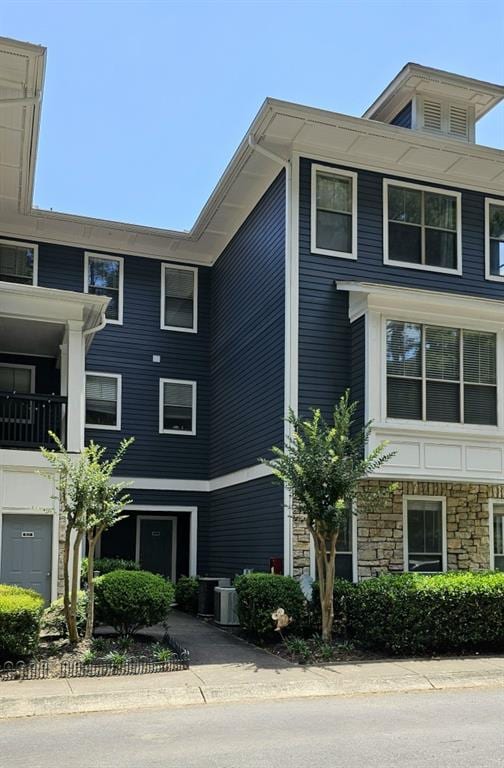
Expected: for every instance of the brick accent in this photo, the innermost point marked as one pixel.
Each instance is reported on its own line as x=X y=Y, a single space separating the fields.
x=380 y=530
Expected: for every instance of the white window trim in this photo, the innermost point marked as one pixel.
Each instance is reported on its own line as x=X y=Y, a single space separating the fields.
x=194 y=270
x=492 y=503
x=437 y=190
x=451 y=426
x=179 y=432
x=313 y=234
x=174 y=539
x=106 y=257
x=442 y=499
x=488 y=202
x=3 y=241
x=118 y=377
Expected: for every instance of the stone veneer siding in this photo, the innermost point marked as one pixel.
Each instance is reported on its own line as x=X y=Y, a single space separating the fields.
x=380 y=531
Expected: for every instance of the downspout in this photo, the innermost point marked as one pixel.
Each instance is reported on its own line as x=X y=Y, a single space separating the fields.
x=99 y=327
x=289 y=286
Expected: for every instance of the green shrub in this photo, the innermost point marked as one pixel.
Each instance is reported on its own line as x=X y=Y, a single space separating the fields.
x=259 y=594
x=53 y=618
x=411 y=613
x=128 y=600
x=108 y=564
x=186 y=594
x=20 y=615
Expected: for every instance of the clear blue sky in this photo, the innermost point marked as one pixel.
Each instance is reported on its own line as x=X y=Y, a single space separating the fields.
x=145 y=103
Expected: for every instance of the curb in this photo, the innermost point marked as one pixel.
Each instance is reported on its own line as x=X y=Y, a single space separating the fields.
x=121 y=701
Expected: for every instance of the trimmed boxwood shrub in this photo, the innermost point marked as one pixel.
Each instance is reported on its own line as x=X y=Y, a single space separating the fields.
x=53 y=619
x=20 y=614
x=415 y=614
x=259 y=594
x=128 y=600
x=108 y=564
x=186 y=594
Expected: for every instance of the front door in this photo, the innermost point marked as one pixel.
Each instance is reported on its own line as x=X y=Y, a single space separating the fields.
x=26 y=552
x=157 y=545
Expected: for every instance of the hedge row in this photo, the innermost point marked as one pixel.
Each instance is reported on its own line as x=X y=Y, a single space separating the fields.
x=20 y=615
x=415 y=614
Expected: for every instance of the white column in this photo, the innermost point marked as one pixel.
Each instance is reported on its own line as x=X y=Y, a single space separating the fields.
x=75 y=386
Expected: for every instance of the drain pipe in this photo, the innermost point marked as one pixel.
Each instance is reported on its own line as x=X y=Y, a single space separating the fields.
x=290 y=397
x=96 y=328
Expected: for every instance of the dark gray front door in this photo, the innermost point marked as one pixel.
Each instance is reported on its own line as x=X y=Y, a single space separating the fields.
x=26 y=552
x=157 y=545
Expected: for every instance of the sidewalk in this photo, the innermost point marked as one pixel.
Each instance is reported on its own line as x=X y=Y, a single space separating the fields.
x=226 y=669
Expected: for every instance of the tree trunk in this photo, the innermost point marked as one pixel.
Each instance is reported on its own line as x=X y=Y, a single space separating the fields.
x=90 y=580
x=66 y=575
x=325 y=556
x=73 y=634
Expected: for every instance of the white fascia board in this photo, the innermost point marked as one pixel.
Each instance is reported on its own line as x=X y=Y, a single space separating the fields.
x=246 y=475
x=364 y=296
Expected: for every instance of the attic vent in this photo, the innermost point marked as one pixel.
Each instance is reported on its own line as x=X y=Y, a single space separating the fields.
x=458 y=121
x=432 y=115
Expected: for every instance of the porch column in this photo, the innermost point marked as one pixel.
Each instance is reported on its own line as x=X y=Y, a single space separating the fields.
x=75 y=382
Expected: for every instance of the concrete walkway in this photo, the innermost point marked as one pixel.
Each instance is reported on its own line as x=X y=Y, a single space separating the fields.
x=226 y=669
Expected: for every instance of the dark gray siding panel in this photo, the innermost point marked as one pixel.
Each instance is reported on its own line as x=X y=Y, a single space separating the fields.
x=403 y=118
x=246 y=527
x=247 y=338
x=324 y=331
x=358 y=369
x=128 y=350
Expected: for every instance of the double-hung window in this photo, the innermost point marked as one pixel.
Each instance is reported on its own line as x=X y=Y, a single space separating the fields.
x=424 y=535
x=422 y=227
x=179 y=298
x=103 y=400
x=104 y=277
x=497 y=537
x=334 y=212
x=494 y=229
x=177 y=407
x=436 y=373
x=18 y=262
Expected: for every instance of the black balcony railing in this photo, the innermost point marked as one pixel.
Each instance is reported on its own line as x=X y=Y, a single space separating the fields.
x=26 y=420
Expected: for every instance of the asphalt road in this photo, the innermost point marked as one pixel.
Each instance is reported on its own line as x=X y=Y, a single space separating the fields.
x=431 y=729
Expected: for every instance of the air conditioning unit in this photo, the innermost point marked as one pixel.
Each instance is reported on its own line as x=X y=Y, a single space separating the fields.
x=226 y=605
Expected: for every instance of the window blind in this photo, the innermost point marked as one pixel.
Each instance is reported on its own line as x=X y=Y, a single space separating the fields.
x=177 y=406
x=179 y=298
x=101 y=400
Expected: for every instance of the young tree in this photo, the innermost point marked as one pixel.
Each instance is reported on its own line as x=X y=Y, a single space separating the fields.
x=89 y=503
x=323 y=466
x=105 y=509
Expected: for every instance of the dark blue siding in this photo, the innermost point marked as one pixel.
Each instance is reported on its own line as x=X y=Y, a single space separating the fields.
x=403 y=118
x=128 y=350
x=358 y=369
x=47 y=375
x=324 y=331
x=247 y=338
x=246 y=524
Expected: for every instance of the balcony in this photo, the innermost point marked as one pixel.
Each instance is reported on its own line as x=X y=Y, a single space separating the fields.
x=26 y=420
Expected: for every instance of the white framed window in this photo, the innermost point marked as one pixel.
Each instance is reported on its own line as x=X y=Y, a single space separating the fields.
x=103 y=276
x=18 y=262
x=17 y=378
x=179 y=298
x=496 y=534
x=494 y=239
x=177 y=407
x=103 y=400
x=333 y=212
x=438 y=373
x=422 y=227
x=424 y=534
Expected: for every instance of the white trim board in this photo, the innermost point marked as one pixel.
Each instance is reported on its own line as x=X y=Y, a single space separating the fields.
x=246 y=475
